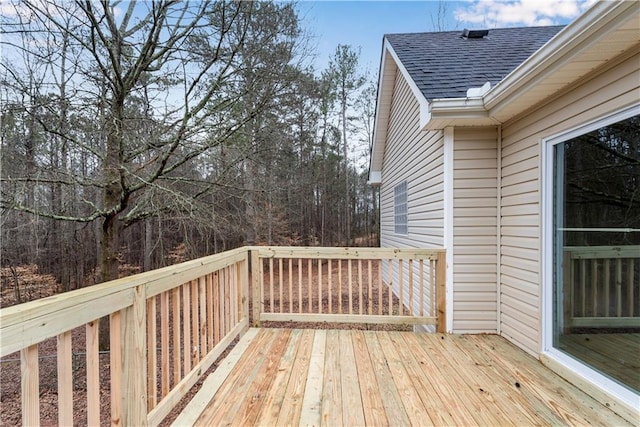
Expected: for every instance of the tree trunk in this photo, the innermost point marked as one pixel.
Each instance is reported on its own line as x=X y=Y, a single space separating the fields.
x=148 y=242
x=345 y=151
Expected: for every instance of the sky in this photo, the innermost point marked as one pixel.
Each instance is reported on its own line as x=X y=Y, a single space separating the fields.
x=363 y=23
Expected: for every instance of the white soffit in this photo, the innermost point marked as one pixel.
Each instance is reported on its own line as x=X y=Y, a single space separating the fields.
x=599 y=35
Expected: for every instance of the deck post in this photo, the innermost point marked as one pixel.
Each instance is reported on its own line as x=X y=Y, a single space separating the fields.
x=245 y=287
x=441 y=292
x=255 y=286
x=134 y=360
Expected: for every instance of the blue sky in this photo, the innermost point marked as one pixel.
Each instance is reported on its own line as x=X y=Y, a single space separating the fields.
x=363 y=23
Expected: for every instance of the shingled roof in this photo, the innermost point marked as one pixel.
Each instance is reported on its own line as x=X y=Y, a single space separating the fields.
x=445 y=64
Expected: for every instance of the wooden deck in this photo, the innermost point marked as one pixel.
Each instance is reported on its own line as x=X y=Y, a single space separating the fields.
x=354 y=378
x=617 y=355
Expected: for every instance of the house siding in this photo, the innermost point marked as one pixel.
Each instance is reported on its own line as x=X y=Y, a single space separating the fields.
x=474 y=219
x=608 y=91
x=417 y=157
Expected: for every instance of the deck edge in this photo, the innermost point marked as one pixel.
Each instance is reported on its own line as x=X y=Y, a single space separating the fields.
x=210 y=386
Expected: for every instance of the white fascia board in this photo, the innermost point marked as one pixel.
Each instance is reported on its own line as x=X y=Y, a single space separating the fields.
x=458 y=111
x=425 y=116
x=572 y=39
x=381 y=118
x=375 y=177
x=379 y=137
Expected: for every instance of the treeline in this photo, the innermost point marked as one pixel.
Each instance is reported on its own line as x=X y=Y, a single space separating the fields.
x=147 y=133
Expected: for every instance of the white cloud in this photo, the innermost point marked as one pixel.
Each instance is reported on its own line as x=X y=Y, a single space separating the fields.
x=502 y=13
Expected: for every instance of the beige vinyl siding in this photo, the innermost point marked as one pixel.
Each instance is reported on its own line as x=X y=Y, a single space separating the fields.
x=475 y=195
x=606 y=92
x=417 y=157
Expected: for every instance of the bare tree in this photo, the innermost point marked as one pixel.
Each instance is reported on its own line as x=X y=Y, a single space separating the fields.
x=343 y=67
x=160 y=82
x=439 y=17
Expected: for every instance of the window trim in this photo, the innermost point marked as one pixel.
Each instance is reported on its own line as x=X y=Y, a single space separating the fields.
x=590 y=375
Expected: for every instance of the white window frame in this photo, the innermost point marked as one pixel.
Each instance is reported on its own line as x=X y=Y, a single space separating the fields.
x=590 y=375
x=400 y=208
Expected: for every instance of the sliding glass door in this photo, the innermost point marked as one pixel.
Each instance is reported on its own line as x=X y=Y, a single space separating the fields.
x=596 y=248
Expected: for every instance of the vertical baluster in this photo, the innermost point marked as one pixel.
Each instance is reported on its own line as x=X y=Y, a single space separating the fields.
x=339 y=286
x=380 y=301
x=360 y=298
x=280 y=284
x=309 y=285
x=152 y=362
x=630 y=278
x=607 y=287
x=175 y=313
x=228 y=299
x=618 y=287
x=93 y=373
x=421 y=285
x=411 y=305
x=65 y=379
x=319 y=286
x=290 y=285
x=202 y=302
x=30 y=377
x=432 y=288
x=299 y=285
x=164 y=339
x=186 y=328
x=330 y=284
x=594 y=287
x=210 y=324
x=401 y=287
x=350 y=286
x=583 y=287
x=271 y=285
x=195 y=324
x=217 y=303
x=389 y=265
x=115 y=366
x=370 y=282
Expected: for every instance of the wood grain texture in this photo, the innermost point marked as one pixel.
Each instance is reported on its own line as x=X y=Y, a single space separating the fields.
x=346 y=377
x=93 y=373
x=65 y=380
x=30 y=386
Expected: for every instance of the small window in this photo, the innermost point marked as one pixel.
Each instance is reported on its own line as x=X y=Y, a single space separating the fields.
x=400 y=208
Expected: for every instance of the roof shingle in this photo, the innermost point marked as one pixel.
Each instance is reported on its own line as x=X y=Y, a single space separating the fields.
x=445 y=65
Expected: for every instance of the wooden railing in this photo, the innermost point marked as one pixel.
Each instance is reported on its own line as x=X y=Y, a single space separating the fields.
x=602 y=286
x=348 y=285
x=168 y=326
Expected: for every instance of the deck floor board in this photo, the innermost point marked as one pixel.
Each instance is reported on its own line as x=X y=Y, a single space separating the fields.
x=318 y=377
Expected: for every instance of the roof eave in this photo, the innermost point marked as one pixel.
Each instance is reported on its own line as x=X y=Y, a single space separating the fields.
x=458 y=112
x=389 y=64
x=505 y=100
x=574 y=39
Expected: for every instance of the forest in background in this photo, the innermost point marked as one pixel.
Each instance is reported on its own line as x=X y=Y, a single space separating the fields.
x=137 y=135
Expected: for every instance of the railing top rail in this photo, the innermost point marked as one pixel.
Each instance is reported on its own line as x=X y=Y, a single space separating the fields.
x=150 y=278
x=345 y=252
x=600 y=252
x=63 y=312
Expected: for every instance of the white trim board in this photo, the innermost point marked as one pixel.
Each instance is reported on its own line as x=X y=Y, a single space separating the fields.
x=448 y=220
